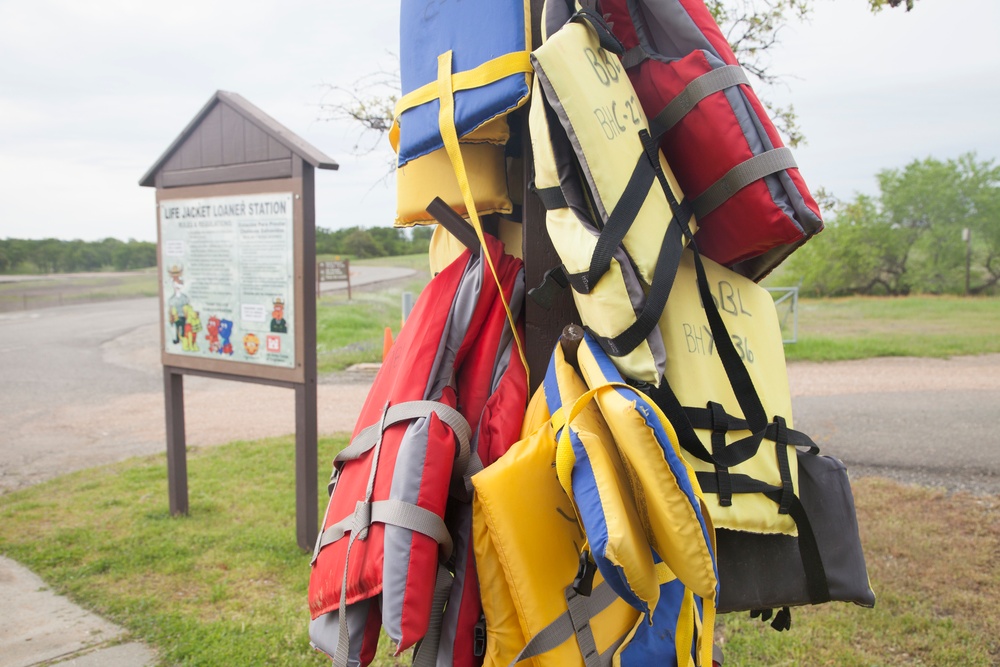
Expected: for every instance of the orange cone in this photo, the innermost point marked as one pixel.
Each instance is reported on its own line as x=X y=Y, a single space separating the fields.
x=386 y=343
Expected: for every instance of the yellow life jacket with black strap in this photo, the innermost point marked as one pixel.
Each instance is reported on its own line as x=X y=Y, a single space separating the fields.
x=719 y=403
x=611 y=218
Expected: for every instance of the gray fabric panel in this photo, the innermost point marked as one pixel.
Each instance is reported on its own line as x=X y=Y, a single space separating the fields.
x=406 y=481
x=634 y=56
x=466 y=297
x=460 y=524
x=666 y=28
x=324 y=631
x=740 y=176
x=426 y=652
x=707 y=84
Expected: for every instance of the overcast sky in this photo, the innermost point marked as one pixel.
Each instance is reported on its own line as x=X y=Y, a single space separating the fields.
x=92 y=93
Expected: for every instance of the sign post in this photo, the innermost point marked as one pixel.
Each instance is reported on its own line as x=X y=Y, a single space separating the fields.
x=237 y=236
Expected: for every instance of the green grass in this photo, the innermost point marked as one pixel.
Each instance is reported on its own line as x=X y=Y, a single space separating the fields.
x=920 y=326
x=227 y=585
x=352 y=331
x=223 y=586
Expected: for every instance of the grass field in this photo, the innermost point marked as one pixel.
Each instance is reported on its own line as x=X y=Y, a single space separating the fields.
x=919 y=326
x=46 y=292
x=227 y=584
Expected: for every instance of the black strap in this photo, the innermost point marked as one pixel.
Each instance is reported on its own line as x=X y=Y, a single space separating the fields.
x=720 y=427
x=618 y=224
x=552 y=197
x=667 y=262
x=737 y=373
x=604 y=34
x=784 y=468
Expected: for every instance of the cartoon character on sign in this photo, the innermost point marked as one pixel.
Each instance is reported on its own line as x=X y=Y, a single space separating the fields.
x=278 y=324
x=251 y=344
x=225 y=331
x=192 y=325
x=177 y=302
x=212 y=334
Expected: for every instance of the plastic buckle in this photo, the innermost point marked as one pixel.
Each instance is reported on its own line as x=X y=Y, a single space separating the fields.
x=479 y=638
x=545 y=293
x=583 y=584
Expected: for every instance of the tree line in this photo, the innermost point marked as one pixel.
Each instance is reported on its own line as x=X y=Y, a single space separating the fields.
x=933 y=228
x=57 y=256
x=373 y=242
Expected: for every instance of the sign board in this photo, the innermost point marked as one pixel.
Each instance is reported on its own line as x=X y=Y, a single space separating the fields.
x=338 y=269
x=229 y=278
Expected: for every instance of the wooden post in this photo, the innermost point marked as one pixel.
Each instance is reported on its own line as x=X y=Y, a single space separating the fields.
x=542 y=325
x=173 y=392
x=306 y=414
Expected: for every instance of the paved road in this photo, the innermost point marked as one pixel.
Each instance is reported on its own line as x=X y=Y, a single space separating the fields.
x=84 y=387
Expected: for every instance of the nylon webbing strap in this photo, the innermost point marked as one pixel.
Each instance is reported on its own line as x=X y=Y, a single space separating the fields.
x=741 y=450
x=617 y=226
x=552 y=198
x=737 y=373
x=485 y=74
x=667 y=263
x=362 y=519
x=742 y=175
x=397 y=513
x=784 y=467
x=719 y=430
x=401 y=412
x=562 y=628
x=703 y=86
x=634 y=56
x=579 y=615
x=426 y=653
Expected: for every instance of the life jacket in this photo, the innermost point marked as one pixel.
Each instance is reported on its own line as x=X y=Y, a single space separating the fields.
x=752 y=204
x=395 y=551
x=433 y=173
x=458 y=86
x=617 y=220
x=487 y=71
x=718 y=410
x=787 y=533
x=537 y=541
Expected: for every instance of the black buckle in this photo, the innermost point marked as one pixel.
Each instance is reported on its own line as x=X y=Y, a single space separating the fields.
x=479 y=638
x=554 y=279
x=583 y=584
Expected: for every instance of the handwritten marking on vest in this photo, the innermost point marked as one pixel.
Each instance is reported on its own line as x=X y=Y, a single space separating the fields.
x=606 y=69
x=608 y=117
x=699 y=340
x=729 y=299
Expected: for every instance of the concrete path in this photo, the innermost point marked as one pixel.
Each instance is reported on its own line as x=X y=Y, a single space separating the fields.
x=42 y=628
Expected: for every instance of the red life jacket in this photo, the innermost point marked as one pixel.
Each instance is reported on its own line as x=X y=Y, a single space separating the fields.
x=396 y=543
x=752 y=206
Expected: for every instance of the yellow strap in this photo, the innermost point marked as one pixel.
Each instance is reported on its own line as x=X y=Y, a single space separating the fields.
x=485 y=74
x=446 y=121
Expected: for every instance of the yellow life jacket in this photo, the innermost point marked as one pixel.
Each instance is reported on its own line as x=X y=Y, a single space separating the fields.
x=611 y=223
x=527 y=543
x=700 y=382
x=432 y=175
x=533 y=551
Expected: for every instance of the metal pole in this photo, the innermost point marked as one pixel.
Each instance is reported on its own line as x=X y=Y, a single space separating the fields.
x=967 y=237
